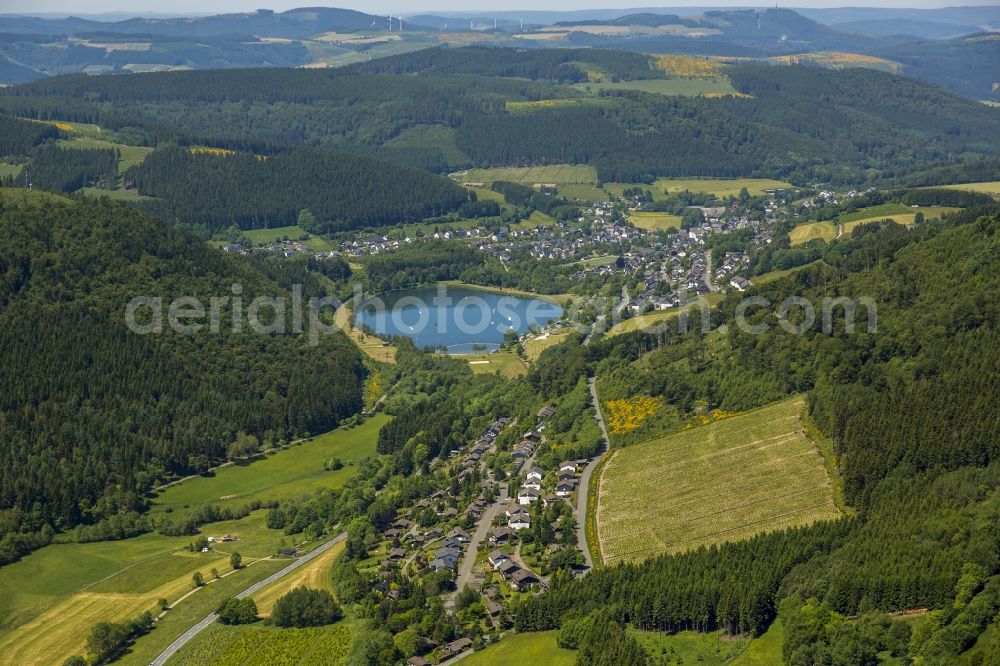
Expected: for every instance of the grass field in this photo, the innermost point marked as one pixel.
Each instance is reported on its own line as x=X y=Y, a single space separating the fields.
x=870 y=212
x=54 y=595
x=720 y=187
x=535 y=345
x=130 y=155
x=558 y=174
x=292 y=472
x=584 y=192
x=18 y=196
x=315 y=575
x=431 y=136
x=293 y=232
x=9 y=169
x=725 y=481
x=508 y=364
x=992 y=187
x=659 y=317
x=804 y=233
x=905 y=217
x=690 y=647
x=655 y=221
x=376 y=348
x=118 y=195
x=764 y=650
x=192 y=609
x=536 y=219
x=767 y=278
x=258 y=645
x=592 y=262
x=534 y=648
x=671 y=87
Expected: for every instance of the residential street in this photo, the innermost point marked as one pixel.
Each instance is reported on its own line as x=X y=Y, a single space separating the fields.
x=465 y=569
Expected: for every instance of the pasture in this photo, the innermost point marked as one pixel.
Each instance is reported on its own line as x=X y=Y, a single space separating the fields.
x=811 y=231
x=720 y=187
x=655 y=221
x=906 y=217
x=506 y=363
x=992 y=187
x=690 y=647
x=764 y=650
x=315 y=575
x=130 y=155
x=117 y=195
x=532 y=648
x=54 y=595
x=685 y=87
x=556 y=174
x=292 y=232
x=661 y=317
x=258 y=645
x=536 y=344
x=725 y=481
x=583 y=192
x=592 y=262
x=9 y=169
x=292 y=472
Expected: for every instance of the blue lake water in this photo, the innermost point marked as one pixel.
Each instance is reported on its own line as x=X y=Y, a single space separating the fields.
x=455 y=318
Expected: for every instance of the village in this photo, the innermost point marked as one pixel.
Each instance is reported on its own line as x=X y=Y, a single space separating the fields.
x=503 y=545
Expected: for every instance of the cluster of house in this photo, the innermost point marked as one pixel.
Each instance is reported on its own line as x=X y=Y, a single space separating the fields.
x=517 y=577
x=285 y=249
x=403 y=533
x=531 y=489
x=481 y=446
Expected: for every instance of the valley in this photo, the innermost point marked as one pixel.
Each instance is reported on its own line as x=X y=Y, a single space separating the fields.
x=716 y=383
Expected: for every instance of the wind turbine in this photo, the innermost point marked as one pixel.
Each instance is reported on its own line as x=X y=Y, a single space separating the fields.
x=400 y=19
x=390 y=22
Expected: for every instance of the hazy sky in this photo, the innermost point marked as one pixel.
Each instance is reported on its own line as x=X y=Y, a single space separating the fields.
x=146 y=7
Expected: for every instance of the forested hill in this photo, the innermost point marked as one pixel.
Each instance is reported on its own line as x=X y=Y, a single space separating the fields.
x=92 y=414
x=910 y=411
x=565 y=65
x=800 y=123
x=341 y=190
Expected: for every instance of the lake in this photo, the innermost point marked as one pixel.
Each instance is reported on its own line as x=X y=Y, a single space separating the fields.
x=458 y=319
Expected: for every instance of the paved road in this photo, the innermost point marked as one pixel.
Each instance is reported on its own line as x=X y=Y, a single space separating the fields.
x=482 y=531
x=588 y=471
x=186 y=637
x=708 y=271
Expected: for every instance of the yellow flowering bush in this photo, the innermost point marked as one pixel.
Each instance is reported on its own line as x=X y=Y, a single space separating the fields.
x=628 y=415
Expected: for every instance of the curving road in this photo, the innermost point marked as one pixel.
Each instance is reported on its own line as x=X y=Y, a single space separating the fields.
x=188 y=635
x=588 y=471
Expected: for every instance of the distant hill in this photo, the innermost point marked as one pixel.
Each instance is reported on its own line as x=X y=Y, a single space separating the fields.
x=912 y=27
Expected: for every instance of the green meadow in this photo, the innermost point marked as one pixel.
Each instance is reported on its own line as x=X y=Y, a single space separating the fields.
x=291 y=472
x=669 y=87
x=293 y=232
x=130 y=155
x=533 y=648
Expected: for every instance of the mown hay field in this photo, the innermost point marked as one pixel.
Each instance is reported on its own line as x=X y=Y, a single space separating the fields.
x=813 y=230
x=556 y=174
x=726 y=481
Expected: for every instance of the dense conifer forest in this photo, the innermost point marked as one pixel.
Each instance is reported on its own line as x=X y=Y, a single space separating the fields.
x=94 y=415
x=342 y=191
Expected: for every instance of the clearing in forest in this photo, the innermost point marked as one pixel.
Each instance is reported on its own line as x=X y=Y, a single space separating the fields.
x=725 y=481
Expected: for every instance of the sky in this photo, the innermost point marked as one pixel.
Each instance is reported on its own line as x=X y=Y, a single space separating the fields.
x=381 y=7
